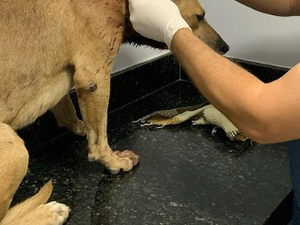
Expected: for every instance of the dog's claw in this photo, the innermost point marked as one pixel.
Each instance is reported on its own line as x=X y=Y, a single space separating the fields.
x=79 y=128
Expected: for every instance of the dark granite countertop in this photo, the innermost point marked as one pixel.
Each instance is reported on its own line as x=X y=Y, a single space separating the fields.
x=185 y=176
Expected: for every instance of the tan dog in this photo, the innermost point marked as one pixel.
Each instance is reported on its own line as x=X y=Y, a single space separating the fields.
x=46 y=47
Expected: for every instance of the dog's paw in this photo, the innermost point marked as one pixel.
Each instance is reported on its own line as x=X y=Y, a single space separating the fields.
x=58 y=212
x=52 y=213
x=79 y=128
x=118 y=161
x=128 y=154
x=126 y=160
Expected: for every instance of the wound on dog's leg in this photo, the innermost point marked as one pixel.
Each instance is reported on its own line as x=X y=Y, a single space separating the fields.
x=87 y=90
x=92 y=88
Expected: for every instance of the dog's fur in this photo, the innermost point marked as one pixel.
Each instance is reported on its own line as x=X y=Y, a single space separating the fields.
x=46 y=47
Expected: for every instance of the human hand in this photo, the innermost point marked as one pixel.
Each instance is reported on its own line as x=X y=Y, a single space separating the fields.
x=156 y=19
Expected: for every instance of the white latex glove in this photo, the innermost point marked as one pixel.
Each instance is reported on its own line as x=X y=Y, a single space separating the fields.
x=156 y=19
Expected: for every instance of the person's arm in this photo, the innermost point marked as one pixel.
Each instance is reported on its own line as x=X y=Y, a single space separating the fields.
x=266 y=113
x=275 y=7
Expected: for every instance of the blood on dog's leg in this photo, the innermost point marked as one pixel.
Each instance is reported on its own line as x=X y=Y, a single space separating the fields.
x=13 y=166
x=93 y=88
x=65 y=115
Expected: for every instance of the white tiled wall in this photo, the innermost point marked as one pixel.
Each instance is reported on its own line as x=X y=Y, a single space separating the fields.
x=251 y=35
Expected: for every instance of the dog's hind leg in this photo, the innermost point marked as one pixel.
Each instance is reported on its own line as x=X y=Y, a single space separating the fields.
x=65 y=115
x=29 y=204
x=13 y=166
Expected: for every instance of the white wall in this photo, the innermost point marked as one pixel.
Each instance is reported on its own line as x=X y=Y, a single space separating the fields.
x=251 y=36
x=129 y=56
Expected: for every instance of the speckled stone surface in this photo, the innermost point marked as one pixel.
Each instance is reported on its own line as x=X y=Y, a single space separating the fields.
x=185 y=176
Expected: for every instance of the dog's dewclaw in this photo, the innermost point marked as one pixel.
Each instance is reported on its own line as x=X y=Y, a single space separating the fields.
x=211 y=115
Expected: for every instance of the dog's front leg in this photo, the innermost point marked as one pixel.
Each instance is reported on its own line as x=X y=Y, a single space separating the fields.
x=93 y=88
x=65 y=115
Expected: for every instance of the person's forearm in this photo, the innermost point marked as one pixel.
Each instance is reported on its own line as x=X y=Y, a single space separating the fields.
x=228 y=87
x=275 y=7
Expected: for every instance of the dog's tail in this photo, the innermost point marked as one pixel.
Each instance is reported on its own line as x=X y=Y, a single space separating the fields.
x=29 y=204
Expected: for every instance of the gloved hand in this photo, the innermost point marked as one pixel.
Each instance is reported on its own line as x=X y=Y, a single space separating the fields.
x=156 y=19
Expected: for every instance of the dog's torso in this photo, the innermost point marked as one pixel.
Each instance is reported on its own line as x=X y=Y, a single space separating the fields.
x=33 y=57
x=40 y=42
